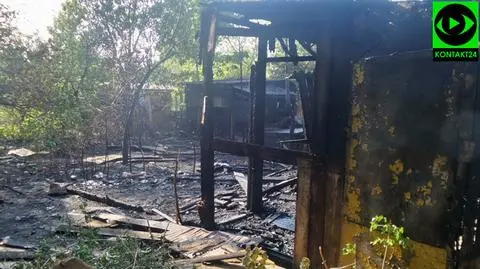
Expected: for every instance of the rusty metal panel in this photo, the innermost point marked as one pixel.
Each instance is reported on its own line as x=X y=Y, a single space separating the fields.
x=403 y=143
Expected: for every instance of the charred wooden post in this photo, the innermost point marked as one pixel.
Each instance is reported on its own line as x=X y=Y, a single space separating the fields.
x=207 y=206
x=320 y=189
x=257 y=130
x=338 y=111
x=310 y=212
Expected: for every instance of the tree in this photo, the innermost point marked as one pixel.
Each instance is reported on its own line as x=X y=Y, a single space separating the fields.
x=135 y=38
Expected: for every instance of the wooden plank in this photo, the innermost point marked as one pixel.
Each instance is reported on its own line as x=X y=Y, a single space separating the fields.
x=174 y=232
x=79 y=220
x=279 y=186
x=160 y=213
x=206 y=207
x=110 y=232
x=211 y=258
x=266 y=153
x=102 y=159
x=233 y=219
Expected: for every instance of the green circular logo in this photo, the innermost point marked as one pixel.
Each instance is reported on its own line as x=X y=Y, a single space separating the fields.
x=455 y=24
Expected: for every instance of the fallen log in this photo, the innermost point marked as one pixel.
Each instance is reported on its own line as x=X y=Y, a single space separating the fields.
x=279 y=186
x=104 y=199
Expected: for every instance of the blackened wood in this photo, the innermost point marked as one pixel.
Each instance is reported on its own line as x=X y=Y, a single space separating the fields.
x=266 y=153
x=280 y=186
x=255 y=163
x=104 y=199
x=207 y=207
x=338 y=111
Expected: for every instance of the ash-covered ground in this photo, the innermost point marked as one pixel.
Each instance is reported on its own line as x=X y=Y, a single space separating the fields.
x=29 y=213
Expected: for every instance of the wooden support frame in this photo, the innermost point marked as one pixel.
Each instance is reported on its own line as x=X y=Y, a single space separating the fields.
x=321 y=188
x=207 y=207
x=262 y=152
x=257 y=130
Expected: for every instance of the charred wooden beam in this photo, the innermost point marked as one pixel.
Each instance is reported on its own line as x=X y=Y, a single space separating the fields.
x=320 y=189
x=339 y=86
x=310 y=212
x=307 y=35
x=206 y=208
x=290 y=59
x=292 y=48
x=265 y=153
x=257 y=130
x=240 y=22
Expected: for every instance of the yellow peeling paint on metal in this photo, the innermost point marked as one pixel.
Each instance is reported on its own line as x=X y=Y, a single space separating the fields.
x=397 y=167
x=353 y=205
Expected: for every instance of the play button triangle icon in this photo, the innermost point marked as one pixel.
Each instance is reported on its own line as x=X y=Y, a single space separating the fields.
x=452 y=23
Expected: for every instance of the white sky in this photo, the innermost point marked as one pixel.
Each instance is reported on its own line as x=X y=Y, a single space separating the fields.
x=34 y=16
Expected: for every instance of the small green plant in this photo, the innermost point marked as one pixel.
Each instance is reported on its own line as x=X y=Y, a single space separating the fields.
x=391 y=236
x=255 y=258
x=349 y=249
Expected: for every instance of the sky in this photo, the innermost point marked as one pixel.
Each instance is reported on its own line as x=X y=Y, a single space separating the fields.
x=34 y=16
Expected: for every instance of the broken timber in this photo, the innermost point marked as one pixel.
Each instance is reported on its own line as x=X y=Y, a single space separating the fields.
x=191 y=240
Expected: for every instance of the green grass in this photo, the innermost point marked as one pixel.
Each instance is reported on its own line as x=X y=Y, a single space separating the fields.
x=118 y=253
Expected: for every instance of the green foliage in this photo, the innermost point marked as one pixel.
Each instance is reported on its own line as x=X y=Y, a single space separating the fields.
x=255 y=258
x=392 y=234
x=124 y=252
x=349 y=249
x=58 y=94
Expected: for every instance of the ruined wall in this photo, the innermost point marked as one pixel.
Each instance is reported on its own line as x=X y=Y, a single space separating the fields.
x=402 y=150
